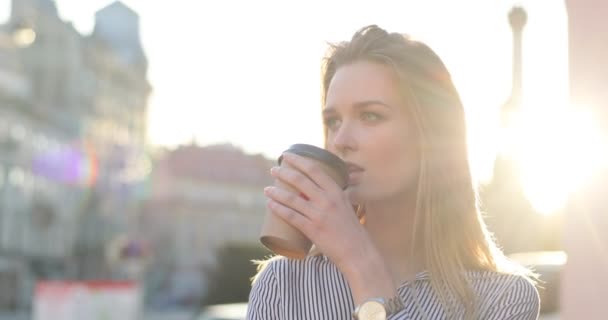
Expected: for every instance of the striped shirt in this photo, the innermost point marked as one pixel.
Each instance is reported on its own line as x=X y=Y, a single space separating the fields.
x=314 y=288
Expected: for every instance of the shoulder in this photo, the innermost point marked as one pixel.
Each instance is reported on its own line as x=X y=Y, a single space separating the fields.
x=274 y=284
x=500 y=283
x=279 y=267
x=281 y=262
x=505 y=292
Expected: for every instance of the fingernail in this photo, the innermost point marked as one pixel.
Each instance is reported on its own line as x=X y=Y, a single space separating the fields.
x=274 y=170
x=267 y=190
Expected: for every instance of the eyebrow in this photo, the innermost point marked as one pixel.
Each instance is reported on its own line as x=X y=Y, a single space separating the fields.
x=359 y=105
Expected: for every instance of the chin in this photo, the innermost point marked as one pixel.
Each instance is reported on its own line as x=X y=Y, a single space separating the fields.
x=361 y=195
x=352 y=194
x=356 y=195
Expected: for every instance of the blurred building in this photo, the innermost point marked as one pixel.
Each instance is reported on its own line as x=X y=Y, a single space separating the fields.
x=202 y=198
x=509 y=214
x=72 y=114
x=585 y=278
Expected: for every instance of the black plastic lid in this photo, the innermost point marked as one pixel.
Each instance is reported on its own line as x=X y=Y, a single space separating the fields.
x=307 y=150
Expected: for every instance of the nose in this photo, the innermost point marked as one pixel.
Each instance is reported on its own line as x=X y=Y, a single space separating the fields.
x=342 y=141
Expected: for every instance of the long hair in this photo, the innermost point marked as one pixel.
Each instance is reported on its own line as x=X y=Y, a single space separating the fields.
x=448 y=225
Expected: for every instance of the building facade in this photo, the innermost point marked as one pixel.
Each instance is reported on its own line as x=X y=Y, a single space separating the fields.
x=585 y=277
x=202 y=199
x=72 y=112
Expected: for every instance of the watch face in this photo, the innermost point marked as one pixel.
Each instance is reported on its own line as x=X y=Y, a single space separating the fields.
x=372 y=310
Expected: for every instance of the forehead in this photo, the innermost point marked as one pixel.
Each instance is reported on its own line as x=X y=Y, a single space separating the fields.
x=363 y=81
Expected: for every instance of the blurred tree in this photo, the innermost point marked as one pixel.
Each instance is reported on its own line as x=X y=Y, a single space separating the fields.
x=230 y=281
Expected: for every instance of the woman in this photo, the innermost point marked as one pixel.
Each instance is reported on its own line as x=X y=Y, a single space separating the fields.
x=417 y=247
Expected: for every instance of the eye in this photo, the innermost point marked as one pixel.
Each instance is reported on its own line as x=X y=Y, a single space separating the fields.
x=370 y=116
x=331 y=122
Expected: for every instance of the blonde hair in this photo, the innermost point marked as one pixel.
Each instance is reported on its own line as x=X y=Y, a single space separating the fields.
x=448 y=223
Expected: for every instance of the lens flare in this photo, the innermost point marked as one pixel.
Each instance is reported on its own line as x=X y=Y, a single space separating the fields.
x=558 y=153
x=74 y=164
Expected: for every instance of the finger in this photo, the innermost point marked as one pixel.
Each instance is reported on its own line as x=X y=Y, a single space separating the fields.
x=289 y=199
x=313 y=170
x=291 y=216
x=296 y=179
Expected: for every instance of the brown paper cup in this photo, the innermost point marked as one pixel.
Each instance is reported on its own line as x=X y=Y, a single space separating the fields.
x=278 y=235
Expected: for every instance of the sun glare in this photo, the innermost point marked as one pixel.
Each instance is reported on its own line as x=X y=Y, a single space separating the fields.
x=559 y=151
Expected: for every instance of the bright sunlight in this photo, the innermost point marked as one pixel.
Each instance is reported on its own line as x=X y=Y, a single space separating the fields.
x=557 y=154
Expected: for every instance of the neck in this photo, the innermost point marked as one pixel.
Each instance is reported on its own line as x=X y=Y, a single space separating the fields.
x=391 y=225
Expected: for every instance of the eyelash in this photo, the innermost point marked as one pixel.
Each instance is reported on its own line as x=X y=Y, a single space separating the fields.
x=329 y=121
x=375 y=115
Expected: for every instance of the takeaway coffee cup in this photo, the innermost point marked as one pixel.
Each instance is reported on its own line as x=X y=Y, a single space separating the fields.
x=277 y=235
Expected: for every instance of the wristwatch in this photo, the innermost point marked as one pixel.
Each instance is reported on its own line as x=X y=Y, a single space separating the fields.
x=378 y=308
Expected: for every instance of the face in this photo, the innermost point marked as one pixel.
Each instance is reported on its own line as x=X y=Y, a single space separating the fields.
x=368 y=125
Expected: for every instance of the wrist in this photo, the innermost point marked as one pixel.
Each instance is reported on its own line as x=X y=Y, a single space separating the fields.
x=368 y=275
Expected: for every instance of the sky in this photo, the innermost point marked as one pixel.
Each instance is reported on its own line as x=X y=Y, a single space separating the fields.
x=248 y=72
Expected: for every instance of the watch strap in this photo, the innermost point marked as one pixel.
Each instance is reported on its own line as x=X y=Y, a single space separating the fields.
x=393 y=305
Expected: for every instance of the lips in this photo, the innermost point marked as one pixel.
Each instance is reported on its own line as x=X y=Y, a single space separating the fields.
x=353 y=173
x=353 y=168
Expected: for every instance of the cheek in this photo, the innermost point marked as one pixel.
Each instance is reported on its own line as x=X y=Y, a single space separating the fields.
x=397 y=157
